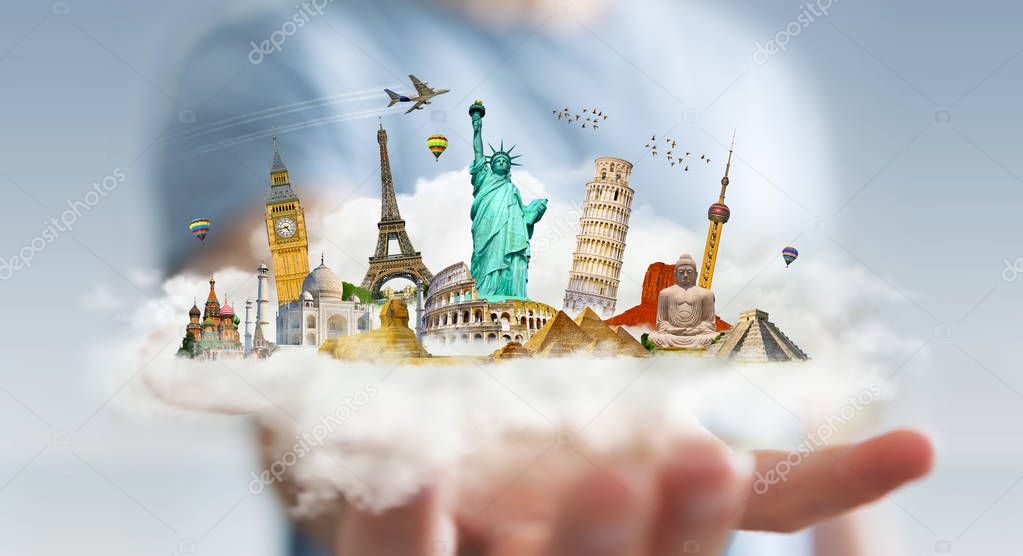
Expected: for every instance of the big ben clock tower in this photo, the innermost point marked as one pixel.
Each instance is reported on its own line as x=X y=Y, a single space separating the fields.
x=285 y=229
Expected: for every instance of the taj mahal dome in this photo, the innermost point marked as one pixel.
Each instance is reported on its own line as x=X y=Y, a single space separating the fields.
x=321 y=312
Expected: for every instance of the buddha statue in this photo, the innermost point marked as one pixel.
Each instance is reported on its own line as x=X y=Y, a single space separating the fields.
x=685 y=311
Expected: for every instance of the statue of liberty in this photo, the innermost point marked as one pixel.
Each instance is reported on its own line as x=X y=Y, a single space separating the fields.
x=501 y=224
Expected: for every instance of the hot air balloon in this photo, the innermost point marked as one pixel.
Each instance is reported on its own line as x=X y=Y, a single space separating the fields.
x=789 y=254
x=199 y=228
x=437 y=145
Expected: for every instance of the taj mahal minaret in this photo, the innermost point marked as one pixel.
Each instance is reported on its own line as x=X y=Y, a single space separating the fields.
x=600 y=241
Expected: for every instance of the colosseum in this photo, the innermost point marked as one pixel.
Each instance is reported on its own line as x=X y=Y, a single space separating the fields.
x=454 y=317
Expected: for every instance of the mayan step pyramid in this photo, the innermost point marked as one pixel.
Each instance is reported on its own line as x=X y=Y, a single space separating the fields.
x=756 y=339
x=606 y=340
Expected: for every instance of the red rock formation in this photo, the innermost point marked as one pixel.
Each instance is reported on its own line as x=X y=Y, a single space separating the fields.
x=658 y=276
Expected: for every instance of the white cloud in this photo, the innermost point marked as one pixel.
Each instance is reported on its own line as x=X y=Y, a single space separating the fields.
x=414 y=422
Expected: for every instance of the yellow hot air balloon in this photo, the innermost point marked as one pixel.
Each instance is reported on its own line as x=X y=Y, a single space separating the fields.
x=437 y=145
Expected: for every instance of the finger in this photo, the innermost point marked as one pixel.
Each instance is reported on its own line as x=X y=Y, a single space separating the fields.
x=602 y=515
x=523 y=540
x=703 y=491
x=792 y=490
x=416 y=528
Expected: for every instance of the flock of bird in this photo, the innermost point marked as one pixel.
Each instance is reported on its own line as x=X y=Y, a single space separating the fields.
x=592 y=118
x=676 y=158
x=588 y=118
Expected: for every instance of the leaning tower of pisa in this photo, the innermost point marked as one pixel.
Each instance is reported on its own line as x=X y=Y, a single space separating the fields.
x=600 y=243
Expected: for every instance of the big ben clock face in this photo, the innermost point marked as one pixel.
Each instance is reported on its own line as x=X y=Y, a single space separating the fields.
x=285 y=227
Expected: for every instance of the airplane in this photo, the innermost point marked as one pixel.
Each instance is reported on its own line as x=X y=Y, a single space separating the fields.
x=423 y=94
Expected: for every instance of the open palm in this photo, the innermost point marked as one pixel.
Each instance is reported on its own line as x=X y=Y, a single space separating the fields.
x=688 y=503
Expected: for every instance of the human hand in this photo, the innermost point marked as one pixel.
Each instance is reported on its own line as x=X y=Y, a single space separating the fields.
x=691 y=501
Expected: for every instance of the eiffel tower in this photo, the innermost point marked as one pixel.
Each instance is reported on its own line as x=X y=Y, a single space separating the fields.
x=383 y=265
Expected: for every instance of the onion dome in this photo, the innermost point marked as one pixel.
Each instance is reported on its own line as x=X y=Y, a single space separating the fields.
x=719 y=212
x=323 y=283
x=194 y=311
x=226 y=311
x=306 y=296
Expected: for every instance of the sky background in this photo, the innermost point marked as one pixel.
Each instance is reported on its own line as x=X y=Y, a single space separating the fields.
x=880 y=142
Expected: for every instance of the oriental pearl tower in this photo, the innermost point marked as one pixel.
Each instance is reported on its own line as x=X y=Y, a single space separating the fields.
x=718 y=214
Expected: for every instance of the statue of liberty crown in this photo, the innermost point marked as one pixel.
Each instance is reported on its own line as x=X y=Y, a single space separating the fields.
x=501 y=152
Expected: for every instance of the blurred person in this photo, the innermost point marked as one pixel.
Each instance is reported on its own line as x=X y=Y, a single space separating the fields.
x=316 y=71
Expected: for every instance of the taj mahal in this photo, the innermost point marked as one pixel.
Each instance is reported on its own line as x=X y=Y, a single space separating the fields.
x=321 y=312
